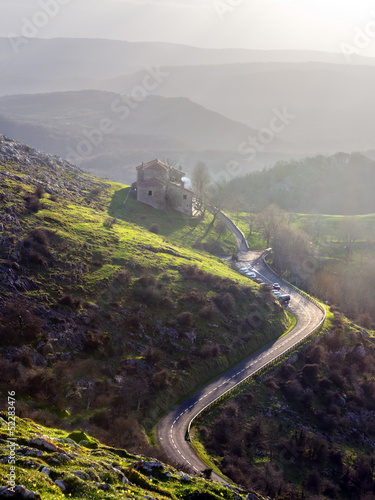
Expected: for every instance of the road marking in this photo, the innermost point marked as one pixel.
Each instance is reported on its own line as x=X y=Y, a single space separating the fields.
x=265 y=357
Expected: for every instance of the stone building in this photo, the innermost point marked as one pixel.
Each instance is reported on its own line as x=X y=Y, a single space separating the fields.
x=163 y=186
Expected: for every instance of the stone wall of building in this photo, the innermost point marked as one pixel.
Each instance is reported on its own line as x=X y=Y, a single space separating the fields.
x=180 y=199
x=157 y=197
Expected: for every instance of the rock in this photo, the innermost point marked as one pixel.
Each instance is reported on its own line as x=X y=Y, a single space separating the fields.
x=19 y=492
x=81 y=475
x=46 y=471
x=63 y=457
x=104 y=486
x=148 y=466
x=43 y=443
x=60 y=484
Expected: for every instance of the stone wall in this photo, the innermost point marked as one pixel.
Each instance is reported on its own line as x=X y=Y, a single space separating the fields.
x=180 y=199
x=156 y=199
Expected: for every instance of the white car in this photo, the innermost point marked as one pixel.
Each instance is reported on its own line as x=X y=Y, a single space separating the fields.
x=251 y=275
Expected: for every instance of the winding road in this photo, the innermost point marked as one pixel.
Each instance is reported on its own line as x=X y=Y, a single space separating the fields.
x=172 y=430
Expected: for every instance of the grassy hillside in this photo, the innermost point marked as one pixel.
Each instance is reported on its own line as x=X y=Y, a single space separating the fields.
x=307 y=430
x=56 y=464
x=104 y=323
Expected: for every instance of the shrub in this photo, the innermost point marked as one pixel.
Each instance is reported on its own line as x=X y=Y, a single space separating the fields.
x=209 y=311
x=293 y=390
x=185 y=319
x=310 y=374
x=123 y=277
x=316 y=355
x=33 y=203
x=288 y=371
x=150 y=295
x=155 y=228
x=39 y=191
x=225 y=302
x=19 y=324
x=69 y=301
x=147 y=280
x=109 y=222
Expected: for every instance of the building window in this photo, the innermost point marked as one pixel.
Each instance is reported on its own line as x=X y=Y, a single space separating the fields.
x=150 y=193
x=185 y=196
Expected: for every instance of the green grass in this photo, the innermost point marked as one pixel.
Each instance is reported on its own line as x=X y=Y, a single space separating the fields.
x=98 y=251
x=97 y=465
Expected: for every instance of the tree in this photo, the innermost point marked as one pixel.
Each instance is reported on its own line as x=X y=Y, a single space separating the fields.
x=200 y=179
x=269 y=220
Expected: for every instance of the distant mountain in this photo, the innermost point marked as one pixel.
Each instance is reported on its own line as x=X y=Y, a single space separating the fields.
x=47 y=65
x=68 y=124
x=333 y=105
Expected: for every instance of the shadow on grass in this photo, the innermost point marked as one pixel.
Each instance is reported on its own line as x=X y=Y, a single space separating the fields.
x=170 y=222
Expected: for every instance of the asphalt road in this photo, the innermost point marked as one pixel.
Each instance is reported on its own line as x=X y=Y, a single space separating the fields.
x=172 y=429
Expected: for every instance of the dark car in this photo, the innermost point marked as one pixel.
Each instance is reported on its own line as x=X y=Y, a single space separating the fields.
x=276 y=286
x=284 y=298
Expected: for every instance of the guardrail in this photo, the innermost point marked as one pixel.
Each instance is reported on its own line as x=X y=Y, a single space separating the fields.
x=298 y=290
x=279 y=356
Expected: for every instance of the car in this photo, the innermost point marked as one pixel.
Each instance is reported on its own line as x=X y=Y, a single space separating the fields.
x=276 y=293
x=259 y=280
x=284 y=299
x=251 y=275
x=276 y=286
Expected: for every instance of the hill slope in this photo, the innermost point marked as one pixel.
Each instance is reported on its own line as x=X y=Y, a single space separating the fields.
x=51 y=464
x=70 y=124
x=341 y=184
x=102 y=321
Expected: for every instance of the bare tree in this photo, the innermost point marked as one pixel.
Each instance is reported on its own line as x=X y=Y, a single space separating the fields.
x=200 y=180
x=269 y=220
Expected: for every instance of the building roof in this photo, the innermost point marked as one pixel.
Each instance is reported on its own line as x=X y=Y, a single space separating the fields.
x=159 y=163
x=153 y=163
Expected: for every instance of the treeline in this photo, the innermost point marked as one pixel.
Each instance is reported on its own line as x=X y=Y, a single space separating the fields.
x=339 y=184
x=333 y=260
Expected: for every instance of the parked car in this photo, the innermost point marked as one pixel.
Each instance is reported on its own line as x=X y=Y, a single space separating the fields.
x=251 y=275
x=276 y=286
x=283 y=299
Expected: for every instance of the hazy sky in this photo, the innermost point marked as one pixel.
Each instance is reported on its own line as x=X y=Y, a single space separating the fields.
x=256 y=24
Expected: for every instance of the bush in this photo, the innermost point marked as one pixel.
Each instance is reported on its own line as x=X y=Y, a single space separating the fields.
x=33 y=203
x=155 y=228
x=19 y=324
x=149 y=295
x=147 y=280
x=225 y=302
x=39 y=191
x=185 y=319
x=209 y=311
x=310 y=374
x=69 y=301
x=109 y=222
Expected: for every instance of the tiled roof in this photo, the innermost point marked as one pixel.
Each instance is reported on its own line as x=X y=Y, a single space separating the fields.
x=153 y=163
